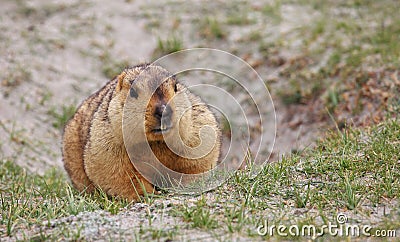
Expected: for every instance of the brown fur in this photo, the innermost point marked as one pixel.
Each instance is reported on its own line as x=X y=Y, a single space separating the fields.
x=93 y=147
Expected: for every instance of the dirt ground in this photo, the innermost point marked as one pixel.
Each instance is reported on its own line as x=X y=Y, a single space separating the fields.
x=53 y=54
x=51 y=58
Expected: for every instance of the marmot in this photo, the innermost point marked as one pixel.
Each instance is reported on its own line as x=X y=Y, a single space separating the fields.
x=94 y=153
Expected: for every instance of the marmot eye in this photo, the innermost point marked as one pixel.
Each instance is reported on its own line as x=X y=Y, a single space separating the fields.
x=133 y=93
x=175 y=87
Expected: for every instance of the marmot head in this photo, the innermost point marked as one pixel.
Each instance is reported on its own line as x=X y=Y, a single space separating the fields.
x=154 y=102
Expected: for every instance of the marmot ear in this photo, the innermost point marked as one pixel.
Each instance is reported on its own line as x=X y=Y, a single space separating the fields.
x=120 y=81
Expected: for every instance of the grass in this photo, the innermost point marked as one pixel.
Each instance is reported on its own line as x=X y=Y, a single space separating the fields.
x=14 y=78
x=273 y=10
x=199 y=215
x=239 y=18
x=168 y=46
x=345 y=173
x=62 y=116
x=345 y=59
x=344 y=50
x=29 y=200
x=353 y=171
x=112 y=66
x=211 y=28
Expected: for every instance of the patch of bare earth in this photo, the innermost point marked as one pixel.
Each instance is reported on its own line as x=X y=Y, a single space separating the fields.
x=55 y=53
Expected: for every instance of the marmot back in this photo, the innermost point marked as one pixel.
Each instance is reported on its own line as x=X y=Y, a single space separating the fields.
x=94 y=152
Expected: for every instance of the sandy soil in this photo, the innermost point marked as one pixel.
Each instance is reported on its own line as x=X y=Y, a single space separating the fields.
x=51 y=52
x=53 y=55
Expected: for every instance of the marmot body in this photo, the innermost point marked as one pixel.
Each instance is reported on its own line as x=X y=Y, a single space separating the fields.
x=94 y=153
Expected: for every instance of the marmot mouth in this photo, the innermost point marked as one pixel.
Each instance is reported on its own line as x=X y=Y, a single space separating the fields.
x=160 y=129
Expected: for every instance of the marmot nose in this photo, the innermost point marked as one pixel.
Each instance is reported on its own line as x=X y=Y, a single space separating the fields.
x=163 y=112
